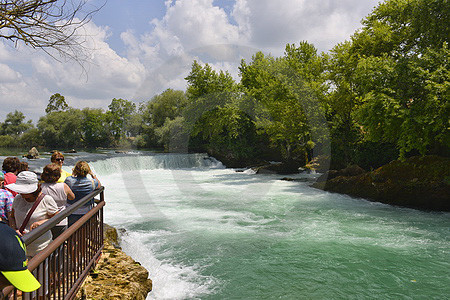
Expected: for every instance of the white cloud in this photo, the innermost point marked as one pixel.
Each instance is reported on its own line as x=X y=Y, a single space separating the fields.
x=273 y=24
x=190 y=29
x=161 y=56
x=23 y=95
x=197 y=23
x=8 y=75
x=107 y=76
x=196 y=29
x=187 y=25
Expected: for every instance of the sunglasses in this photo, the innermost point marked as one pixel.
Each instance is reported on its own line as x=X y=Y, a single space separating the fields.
x=59 y=159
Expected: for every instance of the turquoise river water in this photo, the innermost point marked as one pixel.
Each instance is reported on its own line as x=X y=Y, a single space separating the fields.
x=207 y=232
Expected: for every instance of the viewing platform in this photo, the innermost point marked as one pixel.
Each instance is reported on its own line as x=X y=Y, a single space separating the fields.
x=64 y=264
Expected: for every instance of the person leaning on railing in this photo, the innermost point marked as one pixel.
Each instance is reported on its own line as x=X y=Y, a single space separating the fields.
x=58 y=158
x=6 y=200
x=10 y=168
x=59 y=191
x=81 y=186
x=31 y=208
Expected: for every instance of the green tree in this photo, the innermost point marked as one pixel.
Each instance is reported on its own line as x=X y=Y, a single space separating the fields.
x=203 y=81
x=31 y=138
x=206 y=91
x=62 y=129
x=403 y=75
x=285 y=93
x=173 y=135
x=341 y=101
x=95 y=128
x=155 y=115
x=120 y=111
x=14 y=124
x=169 y=104
x=307 y=67
x=57 y=102
x=217 y=116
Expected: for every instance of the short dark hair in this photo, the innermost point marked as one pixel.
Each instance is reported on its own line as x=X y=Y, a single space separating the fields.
x=11 y=164
x=55 y=155
x=23 y=166
x=51 y=173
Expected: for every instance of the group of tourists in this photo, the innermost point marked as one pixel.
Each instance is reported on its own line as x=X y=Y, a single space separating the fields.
x=27 y=202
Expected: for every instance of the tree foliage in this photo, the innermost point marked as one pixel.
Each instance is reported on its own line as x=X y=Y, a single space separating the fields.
x=62 y=129
x=215 y=116
x=285 y=91
x=119 y=115
x=14 y=131
x=14 y=124
x=403 y=74
x=95 y=128
x=156 y=118
x=382 y=94
x=57 y=102
x=168 y=105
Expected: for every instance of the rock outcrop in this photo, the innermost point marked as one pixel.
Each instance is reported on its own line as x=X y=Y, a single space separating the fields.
x=352 y=170
x=116 y=276
x=33 y=153
x=283 y=168
x=418 y=182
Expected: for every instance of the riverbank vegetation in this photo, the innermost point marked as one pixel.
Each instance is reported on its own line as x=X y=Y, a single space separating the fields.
x=379 y=96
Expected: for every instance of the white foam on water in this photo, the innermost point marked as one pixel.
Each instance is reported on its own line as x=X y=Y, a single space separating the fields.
x=157 y=161
x=135 y=197
x=178 y=220
x=170 y=280
x=167 y=197
x=249 y=171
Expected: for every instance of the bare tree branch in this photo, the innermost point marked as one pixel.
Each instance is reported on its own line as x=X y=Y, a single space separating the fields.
x=47 y=25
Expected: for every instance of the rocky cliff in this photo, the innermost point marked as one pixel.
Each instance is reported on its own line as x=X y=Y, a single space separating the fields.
x=418 y=182
x=116 y=276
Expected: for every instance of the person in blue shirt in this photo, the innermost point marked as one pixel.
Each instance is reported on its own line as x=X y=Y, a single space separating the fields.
x=81 y=186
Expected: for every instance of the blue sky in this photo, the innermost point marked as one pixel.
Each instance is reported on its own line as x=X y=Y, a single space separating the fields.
x=139 y=48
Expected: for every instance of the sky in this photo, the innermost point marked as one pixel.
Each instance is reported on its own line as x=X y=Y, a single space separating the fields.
x=139 y=48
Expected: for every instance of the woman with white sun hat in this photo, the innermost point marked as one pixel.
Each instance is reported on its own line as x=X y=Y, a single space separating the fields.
x=31 y=208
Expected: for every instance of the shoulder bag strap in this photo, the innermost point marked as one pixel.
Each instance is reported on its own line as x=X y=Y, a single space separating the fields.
x=33 y=208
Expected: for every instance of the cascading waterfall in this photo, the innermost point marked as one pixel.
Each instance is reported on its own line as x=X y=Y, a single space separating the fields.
x=157 y=161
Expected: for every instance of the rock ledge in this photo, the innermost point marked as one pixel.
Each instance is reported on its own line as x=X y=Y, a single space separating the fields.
x=418 y=182
x=116 y=276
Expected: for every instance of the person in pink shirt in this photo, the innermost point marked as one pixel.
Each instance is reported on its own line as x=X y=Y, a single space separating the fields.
x=10 y=168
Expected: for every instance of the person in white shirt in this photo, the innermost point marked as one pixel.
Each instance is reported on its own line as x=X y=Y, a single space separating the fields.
x=29 y=193
x=59 y=191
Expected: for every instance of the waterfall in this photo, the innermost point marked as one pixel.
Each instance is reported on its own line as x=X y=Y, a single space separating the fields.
x=157 y=161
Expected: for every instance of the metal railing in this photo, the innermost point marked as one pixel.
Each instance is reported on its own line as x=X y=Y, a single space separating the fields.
x=63 y=265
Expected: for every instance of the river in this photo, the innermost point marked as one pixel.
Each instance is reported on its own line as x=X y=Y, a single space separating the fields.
x=207 y=232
